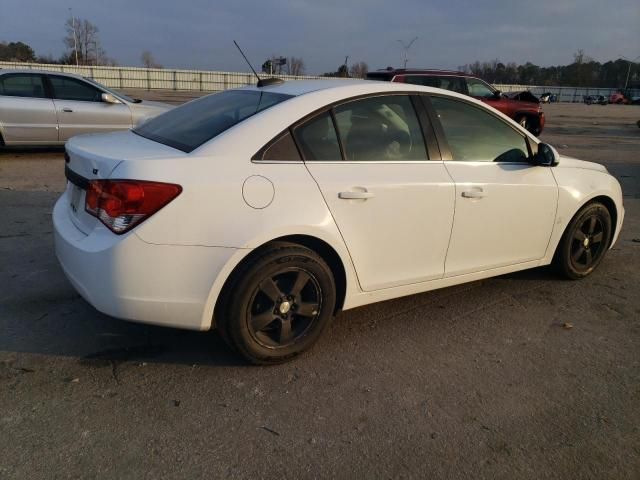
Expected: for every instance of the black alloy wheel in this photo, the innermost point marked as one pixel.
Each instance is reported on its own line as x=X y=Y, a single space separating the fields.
x=277 y=303
x=585 y=241
x=284 y=307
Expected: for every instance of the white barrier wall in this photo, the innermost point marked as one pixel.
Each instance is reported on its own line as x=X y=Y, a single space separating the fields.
x=208 y=81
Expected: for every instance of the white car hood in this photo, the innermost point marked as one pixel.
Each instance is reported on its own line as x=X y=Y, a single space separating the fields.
x=570 y=162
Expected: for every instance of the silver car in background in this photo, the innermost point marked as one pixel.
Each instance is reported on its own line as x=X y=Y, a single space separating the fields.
x=48 y=108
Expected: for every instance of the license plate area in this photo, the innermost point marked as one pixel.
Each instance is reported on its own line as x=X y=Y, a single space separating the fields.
x=77 y=199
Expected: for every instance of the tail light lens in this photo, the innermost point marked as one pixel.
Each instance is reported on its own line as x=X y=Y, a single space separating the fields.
x=123 y=204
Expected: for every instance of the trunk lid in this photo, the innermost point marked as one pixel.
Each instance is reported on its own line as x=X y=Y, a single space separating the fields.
x=95 y=157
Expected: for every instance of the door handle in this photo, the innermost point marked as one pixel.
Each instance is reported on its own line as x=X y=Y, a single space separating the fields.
x=475 y=193
x=355 y=195
x=68 y=110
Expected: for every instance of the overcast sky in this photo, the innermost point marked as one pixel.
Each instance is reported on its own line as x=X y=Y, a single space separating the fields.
x=199 y=33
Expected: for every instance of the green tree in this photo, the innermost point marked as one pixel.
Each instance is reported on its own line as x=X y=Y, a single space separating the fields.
x=16 y=52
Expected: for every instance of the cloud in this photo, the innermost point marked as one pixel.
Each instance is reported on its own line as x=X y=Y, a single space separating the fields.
x=199 y=33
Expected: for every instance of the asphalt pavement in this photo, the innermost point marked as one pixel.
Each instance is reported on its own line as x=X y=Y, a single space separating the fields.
x=520 y=376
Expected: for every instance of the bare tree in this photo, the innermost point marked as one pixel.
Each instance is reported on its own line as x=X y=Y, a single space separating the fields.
x=82 y=37
x=295 y=66
x=148 y=60
x=359 y=70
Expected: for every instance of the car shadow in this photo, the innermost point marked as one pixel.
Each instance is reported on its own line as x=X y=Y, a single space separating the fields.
x=59 y=322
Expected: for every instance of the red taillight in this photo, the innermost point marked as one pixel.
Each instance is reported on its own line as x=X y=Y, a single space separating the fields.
x=123 y=204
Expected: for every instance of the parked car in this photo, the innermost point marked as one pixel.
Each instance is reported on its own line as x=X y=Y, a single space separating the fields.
x=625 y=97
x=48 y=108
x=264 y=210
x=523 y=107
x=595 y=99
x=618 y=98
x=548 y=97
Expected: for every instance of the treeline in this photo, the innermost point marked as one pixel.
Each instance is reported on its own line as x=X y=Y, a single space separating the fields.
x=583 y=72
x=82 y=42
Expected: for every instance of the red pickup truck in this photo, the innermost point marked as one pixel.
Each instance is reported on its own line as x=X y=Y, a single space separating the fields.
x=523 y=107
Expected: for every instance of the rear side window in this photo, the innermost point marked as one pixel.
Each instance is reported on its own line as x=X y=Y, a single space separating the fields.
x=476 y=135
x=22 y=85
x=192 y=124
x=66 y=88
x=282 y=149
x=318 y=140
x=380 y=128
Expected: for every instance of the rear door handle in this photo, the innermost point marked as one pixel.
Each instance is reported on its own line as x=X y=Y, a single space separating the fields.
x=355 y=195
x=68 y=110
x=474 y=193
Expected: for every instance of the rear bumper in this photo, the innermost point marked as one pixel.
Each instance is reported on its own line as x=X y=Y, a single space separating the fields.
x=127 y=278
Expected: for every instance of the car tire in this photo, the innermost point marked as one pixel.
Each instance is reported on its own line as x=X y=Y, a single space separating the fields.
x=277 y=304
x=584 y=242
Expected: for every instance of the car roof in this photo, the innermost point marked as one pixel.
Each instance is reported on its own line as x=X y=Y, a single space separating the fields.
x=417 y=71
x=345 y=87
x=4 y=71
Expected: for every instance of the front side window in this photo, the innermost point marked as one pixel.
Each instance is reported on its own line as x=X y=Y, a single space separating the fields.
x=22 y=85
x=384 y=128
x=475 y=135
x=477 y=88
x=190 y=125
x=318 y=140
x=67 y=88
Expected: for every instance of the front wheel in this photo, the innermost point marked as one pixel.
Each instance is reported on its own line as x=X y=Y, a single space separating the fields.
x=277 y=304
x=585 y=242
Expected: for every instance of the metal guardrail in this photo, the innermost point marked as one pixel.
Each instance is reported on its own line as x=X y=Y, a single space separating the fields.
x=210 y=81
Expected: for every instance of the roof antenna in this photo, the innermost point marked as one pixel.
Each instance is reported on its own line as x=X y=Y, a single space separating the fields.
x=261 y=82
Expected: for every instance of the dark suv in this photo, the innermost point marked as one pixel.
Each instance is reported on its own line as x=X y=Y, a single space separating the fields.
x=523 y=107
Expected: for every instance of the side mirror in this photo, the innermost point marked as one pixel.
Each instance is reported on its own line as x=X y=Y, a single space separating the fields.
x=108 y=98
x=497 y=94
x=547 y=156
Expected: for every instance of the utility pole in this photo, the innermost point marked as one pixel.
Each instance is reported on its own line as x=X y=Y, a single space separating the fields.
x=75 y=37
x=626 y=82
x=406 y=47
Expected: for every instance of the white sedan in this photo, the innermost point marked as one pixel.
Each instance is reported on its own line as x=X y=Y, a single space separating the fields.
x=264 y=210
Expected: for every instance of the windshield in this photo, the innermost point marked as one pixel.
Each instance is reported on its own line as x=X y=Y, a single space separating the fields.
x=112 y=92
x=194 y=123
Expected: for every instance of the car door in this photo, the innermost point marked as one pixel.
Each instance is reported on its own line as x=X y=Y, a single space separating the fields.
x=81 y=110
x=505 y=207
x=391 y=200
x=27 y=114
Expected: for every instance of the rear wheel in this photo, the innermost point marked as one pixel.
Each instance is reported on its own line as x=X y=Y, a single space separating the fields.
x=278 y=304
x=584 y=242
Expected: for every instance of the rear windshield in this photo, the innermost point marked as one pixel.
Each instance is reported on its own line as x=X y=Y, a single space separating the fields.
x=385 y=77
x=194 y=123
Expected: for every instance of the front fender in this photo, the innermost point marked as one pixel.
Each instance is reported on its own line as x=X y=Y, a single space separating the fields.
x=576 y=188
